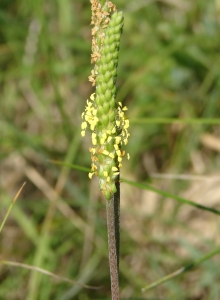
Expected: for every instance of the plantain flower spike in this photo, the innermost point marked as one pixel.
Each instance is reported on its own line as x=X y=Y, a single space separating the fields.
x=103 y=115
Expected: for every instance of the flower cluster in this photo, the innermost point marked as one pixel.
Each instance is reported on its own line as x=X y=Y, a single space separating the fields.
x=106 y=153
x=105 y=118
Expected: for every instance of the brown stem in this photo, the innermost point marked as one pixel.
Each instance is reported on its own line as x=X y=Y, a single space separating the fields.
x=113 y=226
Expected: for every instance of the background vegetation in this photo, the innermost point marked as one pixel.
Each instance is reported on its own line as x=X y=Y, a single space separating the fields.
x=168 y=71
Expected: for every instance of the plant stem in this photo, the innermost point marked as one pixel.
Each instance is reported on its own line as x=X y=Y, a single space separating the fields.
x=113 y=227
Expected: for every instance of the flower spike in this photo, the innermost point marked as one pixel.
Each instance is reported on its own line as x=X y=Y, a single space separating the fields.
x=103 y=115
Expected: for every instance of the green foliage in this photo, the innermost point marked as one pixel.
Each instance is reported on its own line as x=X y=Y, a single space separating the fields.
x=168 y=70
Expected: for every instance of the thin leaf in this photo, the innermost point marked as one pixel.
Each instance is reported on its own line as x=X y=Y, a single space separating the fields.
x=43 y=271
x=173 y=120
x=150 y=188
x=10 y=207
x=166 y=194
x=182 y=270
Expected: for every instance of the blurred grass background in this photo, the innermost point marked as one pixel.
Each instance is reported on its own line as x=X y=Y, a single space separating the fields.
x=168 y=69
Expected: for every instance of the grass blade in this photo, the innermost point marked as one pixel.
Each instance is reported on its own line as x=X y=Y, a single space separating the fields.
x=167 y=194
x=182 y=270
x=10 y=207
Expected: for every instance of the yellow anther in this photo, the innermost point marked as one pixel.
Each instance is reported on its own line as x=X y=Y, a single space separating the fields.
x=94 y=167
x=94 y=140
x=114 y=169
x=118 y=152
x=124 y=108
x=113 y=130
x=128 y=156
x=126 y=124
x=125 y=141
x=89 y=104
x=121 y=115
x=116 y=147
x=83 y=125
x=92 y=150
x=90 y=175
x=92 y=97
x=104 y=135
x=94 y=112
x=92 y=126
x=105 y=152
x=83 y=133
x=111 y=155
x=117 y=139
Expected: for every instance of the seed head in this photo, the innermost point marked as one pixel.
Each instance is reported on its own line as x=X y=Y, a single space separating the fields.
x=103 y=116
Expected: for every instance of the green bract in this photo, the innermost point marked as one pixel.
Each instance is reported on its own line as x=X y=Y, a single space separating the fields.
x=102 y=114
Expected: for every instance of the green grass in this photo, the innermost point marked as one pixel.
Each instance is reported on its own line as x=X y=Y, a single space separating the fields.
x=168 y=77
